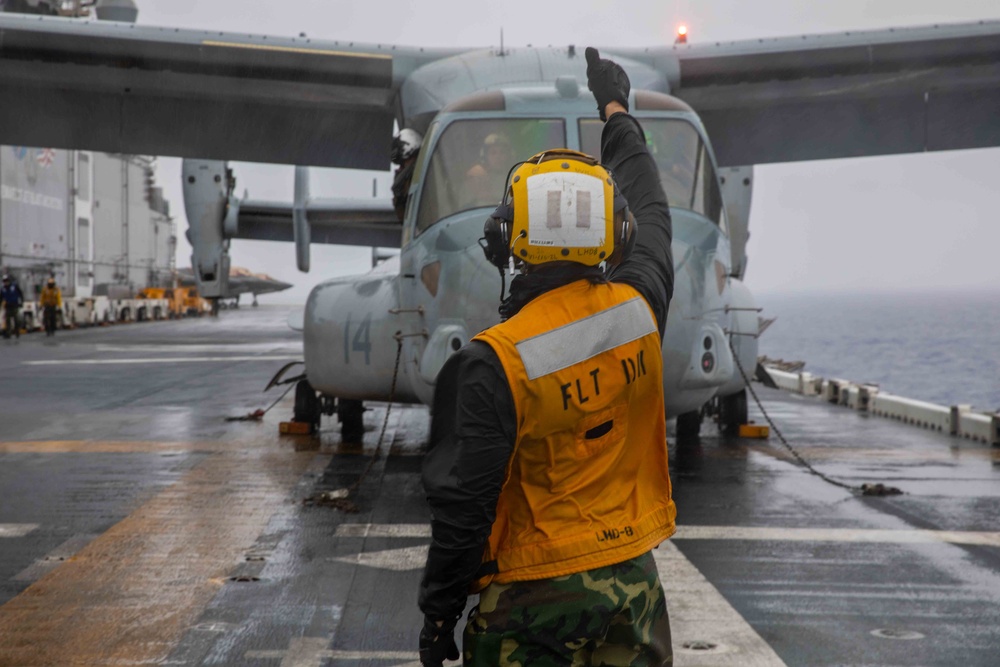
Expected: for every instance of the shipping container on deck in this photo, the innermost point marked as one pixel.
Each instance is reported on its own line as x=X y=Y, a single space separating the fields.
x=95 y=221
x=35 y=205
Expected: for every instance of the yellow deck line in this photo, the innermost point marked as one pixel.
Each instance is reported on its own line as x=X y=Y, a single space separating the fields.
x=116 y=447
x=295 y=49
x=129 y=596
x=303 y=443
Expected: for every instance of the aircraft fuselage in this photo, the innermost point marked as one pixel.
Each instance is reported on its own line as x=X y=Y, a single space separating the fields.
x=441 y=291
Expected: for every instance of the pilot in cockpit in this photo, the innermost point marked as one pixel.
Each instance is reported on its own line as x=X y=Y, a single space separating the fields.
x=485 y=177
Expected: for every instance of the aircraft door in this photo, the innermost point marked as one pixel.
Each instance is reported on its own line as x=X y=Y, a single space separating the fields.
x=448 y=295
x=414 y=307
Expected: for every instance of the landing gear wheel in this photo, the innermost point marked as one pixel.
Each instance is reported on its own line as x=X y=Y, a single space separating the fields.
x=351 y=417
x=689 y=426
x=688 y=452
x=308 y=407
x=733 y=412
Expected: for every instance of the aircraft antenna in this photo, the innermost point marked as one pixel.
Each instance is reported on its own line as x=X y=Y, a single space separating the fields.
x=501 y=42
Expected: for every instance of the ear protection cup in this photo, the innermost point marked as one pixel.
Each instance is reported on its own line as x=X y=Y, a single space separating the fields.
x=629 y=234
x=496 y=236
x=625 y=235
x=626 y=238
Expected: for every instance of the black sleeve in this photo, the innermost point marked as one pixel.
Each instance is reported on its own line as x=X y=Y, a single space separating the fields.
x=473 y=429
x=650 y=268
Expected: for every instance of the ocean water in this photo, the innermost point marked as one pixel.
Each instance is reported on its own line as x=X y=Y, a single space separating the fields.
x=942 y=347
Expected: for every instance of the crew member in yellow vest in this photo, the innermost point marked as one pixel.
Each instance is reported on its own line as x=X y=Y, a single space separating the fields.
x=50 y=301
x=547 y=466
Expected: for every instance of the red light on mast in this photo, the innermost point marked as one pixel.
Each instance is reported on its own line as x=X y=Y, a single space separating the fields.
x=682 y=35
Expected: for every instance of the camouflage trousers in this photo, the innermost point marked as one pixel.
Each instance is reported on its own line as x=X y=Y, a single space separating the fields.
x=614 y=615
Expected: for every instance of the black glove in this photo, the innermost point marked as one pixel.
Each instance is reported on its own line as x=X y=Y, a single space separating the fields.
x=607 y=80
x=437 y=643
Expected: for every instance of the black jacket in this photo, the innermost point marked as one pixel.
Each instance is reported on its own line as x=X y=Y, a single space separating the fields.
x=473 y=421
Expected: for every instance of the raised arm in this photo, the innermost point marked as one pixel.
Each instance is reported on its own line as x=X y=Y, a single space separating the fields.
x=650 y=267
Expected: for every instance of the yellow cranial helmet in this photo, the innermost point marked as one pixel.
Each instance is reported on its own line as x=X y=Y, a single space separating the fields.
x=564 y=204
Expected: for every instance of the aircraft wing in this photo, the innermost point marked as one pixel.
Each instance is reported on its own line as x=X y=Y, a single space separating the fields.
x=240 y=281
x=255 y=284
x=125 y=88
x=365 y=222
x=843 y=95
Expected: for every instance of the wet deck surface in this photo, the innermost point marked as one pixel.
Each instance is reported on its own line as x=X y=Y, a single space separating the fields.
x=137 y=526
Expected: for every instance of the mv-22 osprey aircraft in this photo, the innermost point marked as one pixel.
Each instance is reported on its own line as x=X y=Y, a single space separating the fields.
x=710 y=112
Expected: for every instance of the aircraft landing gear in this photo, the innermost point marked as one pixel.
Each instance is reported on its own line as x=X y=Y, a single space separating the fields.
x=733 y=412
x=351 y=417
x=308 y=407
x=254 y=304
x=689 y=426
x=688 y=452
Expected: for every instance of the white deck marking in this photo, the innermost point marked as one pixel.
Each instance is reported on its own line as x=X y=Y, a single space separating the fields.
x=750 y=533
x=836 y=535
x=399 y=560
x=159 y=360
x=384 y=530
x=311 y=651
x=16 y=529
x=218 y=348
x=699 y=613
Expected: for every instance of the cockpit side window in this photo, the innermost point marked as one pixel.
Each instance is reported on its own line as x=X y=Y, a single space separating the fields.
x=470 y=163
x=707 y=199
x=429 y=139
x=681 y=157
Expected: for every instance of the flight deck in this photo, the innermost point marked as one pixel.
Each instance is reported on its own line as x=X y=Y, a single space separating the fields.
x=139 y=527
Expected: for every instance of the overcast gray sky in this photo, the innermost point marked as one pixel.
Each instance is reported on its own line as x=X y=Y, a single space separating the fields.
x=928 y=221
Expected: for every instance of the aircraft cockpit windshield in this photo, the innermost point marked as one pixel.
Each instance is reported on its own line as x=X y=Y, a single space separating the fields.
x=470 y=162
x=686 y=171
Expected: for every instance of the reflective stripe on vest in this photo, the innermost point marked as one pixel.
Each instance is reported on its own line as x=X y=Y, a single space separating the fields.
x=587 y=484
x=578 y=341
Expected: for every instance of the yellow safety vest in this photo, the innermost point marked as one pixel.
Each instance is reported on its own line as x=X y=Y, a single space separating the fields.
x=587 y=484
x=50 y=297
